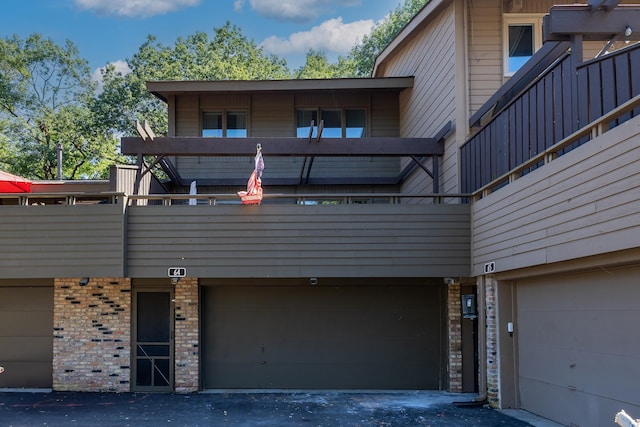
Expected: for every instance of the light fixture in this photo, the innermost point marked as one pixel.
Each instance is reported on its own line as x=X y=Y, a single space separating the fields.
x=628 y=31
x=84 y=281
x=313 y=281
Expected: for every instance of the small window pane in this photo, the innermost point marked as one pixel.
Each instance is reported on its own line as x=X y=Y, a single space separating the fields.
x=521 y=46
x=356 y=123
x=303 y=120
x=236 y=125
x=332 y=124
x=212 y=124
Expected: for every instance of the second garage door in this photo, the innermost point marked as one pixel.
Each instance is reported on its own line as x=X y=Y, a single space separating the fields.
x=26 y=339
x=336 y=337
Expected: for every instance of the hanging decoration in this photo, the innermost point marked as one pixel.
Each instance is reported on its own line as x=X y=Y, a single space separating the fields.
x=253 y=195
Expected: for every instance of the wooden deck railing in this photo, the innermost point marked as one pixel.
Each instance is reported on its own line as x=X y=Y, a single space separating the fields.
x=77 y=198
x=299 y=199
x=557 y=104
x=592 y=130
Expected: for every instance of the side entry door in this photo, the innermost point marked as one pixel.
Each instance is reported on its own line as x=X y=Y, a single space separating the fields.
x=152 y=364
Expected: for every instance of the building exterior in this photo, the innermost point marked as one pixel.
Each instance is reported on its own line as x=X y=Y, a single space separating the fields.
x=464 y=220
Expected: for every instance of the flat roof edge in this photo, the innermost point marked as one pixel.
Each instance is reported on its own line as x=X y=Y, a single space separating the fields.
x=169 y=86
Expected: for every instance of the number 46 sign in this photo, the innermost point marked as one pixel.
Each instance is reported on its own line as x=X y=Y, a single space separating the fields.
x=177 y=272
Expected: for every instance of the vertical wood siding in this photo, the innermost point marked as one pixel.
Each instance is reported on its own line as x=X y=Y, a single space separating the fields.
x=62 y=241
x=300 y=241
x=583 y=203
x=544 y=114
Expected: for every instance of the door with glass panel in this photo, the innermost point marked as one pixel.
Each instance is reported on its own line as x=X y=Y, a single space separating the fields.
x=152 y=355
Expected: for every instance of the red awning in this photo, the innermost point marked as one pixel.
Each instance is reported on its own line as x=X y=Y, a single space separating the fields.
x=13 y=184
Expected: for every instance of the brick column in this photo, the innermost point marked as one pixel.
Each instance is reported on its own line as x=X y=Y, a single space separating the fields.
x=187 y=351
x=454 y=327
x=493 y=377
x=91 y=334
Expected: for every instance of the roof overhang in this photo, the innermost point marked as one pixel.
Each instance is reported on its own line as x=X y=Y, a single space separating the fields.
x=565 y=21
x=164 y=89
x=417 y=23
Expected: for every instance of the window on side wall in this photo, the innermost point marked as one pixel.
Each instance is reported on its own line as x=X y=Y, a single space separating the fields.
x=230 y=124
x=350 y=123
x=522 y=38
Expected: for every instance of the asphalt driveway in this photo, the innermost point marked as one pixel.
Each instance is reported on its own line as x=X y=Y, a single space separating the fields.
x=327 y=409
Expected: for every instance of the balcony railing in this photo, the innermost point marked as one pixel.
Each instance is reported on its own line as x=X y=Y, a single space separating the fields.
x=67 y=199
x=591 y=131
x=552 y=108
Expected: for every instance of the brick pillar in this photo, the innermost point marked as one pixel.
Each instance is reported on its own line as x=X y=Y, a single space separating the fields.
x=493 y=377
x=187 y=354
x=454 y=327
x=91 y=334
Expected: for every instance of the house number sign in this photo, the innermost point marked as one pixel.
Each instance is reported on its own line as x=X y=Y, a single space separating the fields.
x=177 y=272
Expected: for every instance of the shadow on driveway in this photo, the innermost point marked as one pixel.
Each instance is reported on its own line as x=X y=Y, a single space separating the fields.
x=281 y=409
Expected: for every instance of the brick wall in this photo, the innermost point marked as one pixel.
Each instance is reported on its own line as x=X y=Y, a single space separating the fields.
x=493 y=378
x=454 y=327
x=91 y=342
x=187 y=369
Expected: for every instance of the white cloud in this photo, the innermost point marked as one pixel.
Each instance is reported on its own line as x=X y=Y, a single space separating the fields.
x=134 y=8
x=330 y=36
x=120 y=67
x=297 y=10
x=238 y=5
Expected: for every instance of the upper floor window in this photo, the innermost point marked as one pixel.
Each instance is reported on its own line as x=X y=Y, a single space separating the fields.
x=350 y=123
x=522 y=38
x=230 y=124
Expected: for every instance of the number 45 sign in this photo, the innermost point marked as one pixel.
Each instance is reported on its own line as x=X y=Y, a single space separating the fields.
x=177 y=272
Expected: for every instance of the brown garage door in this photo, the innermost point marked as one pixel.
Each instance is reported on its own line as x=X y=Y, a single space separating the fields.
x=320 y=337
x=578 y=345
x=26 y=336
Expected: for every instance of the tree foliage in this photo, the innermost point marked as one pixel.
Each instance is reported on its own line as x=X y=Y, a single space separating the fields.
x=317 y=66
x=363 y=54
x=45 y=90
x=229 y=55
x=47 y=97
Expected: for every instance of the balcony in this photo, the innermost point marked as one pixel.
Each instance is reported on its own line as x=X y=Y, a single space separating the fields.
x=289 y=236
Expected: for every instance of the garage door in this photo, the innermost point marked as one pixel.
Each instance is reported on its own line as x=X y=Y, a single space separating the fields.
x=26 y=336
x=321 y=337
x=578 y=344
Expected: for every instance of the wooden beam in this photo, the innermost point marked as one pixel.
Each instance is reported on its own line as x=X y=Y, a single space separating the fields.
x=328 y=147
x=568 y=20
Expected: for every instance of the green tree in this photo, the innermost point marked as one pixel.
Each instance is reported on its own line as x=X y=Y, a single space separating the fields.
x=363 y=54
x=45 y=93
x=317 y=66
x=229 y=55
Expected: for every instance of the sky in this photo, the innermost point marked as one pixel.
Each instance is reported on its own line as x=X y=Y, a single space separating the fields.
x=111 y=31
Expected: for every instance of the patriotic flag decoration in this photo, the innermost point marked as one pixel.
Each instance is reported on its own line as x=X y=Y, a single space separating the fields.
x=253 y=195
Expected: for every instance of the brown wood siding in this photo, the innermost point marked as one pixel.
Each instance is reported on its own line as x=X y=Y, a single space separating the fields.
x=187 y=115
x=300 y=241
x=62 y=241
x=385 y=115
x=578 y=352
x=368 y=334
x=485 y=51
x=26 y=339
x=273 y=115
x=583 y=203
x=430 y=104
x=332 y=99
